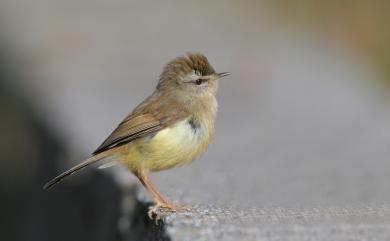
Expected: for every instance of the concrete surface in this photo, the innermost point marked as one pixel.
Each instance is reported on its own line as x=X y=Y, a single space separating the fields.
x=209 y=222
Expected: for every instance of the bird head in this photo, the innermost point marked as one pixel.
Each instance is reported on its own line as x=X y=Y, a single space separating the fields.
x=191 y=75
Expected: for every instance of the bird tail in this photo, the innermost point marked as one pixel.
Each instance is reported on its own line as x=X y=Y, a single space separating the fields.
x=75 y=169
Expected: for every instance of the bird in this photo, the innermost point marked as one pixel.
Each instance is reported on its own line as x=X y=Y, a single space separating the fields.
x=170 y=128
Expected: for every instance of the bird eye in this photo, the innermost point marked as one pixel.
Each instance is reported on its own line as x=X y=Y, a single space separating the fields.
x=198 y=81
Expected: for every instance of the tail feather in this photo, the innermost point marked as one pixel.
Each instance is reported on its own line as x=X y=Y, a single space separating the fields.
x=109 y=164
x=75 y=169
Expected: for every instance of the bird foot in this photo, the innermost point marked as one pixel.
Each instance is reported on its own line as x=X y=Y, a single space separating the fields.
x=160 y=208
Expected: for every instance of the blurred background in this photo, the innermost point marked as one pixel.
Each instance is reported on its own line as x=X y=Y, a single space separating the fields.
x=304 y=119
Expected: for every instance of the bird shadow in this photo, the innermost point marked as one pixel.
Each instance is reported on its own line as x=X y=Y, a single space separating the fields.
x=143 y=228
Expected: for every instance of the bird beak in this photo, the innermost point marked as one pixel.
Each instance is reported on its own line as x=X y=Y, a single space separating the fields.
x=221 y=75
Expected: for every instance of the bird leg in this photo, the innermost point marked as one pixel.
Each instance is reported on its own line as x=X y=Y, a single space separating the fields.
x=160 y=200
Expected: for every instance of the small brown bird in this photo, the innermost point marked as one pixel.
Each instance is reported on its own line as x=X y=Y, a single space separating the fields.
x=170 y=128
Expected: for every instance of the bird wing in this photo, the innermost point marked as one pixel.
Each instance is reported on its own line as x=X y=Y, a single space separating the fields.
x=130 y=129
x=148 y=118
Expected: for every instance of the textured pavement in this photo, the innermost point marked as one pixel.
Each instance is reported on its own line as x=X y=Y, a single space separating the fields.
x=274 y=224
x=233 y=223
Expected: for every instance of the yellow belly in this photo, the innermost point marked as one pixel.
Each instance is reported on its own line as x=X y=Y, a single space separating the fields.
x=171 y=147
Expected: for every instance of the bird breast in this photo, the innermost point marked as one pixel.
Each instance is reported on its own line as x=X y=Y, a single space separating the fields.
x=176 y=145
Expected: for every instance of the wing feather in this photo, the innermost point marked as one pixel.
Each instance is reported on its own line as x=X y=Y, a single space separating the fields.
x=148 y=118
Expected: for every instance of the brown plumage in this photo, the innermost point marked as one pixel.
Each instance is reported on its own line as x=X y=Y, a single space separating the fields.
x=150 y=117
x=170 y=128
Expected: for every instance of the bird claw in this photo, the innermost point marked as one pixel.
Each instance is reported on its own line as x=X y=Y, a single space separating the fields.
x=161 y=208
x=154 y=210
